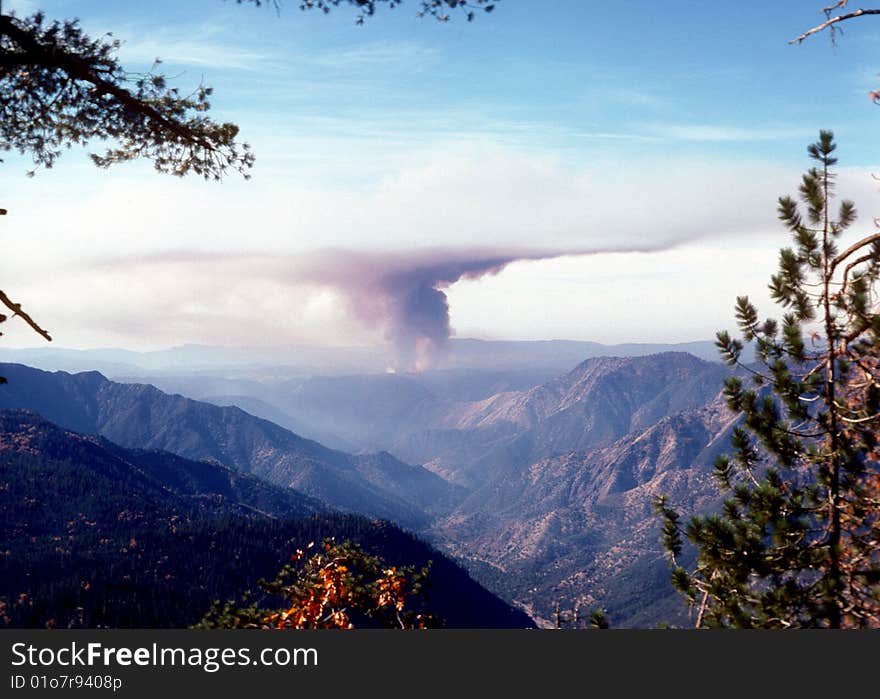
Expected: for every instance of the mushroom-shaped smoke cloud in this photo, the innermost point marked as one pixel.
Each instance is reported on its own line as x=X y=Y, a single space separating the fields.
x=403 y=293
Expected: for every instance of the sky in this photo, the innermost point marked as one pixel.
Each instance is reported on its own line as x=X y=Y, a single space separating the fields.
x=632 y=151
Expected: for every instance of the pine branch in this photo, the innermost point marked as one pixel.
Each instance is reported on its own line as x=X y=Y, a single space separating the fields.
x=35 y=53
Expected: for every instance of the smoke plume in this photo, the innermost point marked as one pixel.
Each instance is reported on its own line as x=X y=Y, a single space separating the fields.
x=403 y=294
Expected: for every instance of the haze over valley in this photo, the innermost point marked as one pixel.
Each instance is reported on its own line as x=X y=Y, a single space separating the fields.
x=538 y=481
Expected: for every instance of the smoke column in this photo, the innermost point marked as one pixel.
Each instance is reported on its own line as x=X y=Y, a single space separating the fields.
x=403 y=293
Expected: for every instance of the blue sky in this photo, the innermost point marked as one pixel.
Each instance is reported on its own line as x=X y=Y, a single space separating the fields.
x=630 y=77
x=580 y=126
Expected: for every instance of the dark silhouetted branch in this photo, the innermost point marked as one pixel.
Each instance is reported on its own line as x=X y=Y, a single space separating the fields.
x=16 y=310
x=833 y=21
x=77 y=68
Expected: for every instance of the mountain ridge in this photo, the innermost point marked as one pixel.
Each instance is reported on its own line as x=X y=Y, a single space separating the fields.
x=569 y=524
x=96 y=535
x=553 y=482
x=141 y=416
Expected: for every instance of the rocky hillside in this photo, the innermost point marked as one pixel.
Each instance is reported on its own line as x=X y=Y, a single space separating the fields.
x=578 y=528
x=600 y=401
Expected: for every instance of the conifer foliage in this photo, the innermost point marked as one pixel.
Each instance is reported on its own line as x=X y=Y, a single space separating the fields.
x=797 y=543
x=62 y=88
x=441 y=10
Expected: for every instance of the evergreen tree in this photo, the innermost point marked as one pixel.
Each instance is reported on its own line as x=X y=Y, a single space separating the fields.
x=796 y=543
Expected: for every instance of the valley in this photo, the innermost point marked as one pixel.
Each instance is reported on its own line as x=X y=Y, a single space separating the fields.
x=539 y=482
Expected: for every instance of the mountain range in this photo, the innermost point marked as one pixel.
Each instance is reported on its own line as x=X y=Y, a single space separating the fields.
x=143 y=417
x=304 y=361
x=93 y=534
x=542 y=489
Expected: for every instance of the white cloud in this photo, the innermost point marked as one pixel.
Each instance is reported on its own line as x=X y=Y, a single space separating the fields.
x=473 y=194
x=720 y=133
x=641 y=99
x=376 y=54
x=455 y=194
x=206 y=46
x=666 y=296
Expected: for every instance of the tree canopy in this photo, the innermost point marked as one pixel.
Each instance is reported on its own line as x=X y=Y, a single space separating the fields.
x=438 y=9
x=60 y=87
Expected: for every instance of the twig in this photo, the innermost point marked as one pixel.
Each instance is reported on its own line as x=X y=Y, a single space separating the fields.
x=702 y=611
x=849 y=268
x=828 y=10
x=16 y=310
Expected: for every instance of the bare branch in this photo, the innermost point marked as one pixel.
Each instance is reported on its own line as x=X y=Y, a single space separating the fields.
x=833 y=21
x=854 y=247
x=855 y=263
x=854 y=421
x=16 y=310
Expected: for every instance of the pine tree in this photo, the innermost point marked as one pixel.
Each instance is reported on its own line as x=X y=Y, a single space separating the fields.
x=796 y=542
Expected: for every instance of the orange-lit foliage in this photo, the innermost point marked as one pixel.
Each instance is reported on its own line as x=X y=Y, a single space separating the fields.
x=333 y=586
